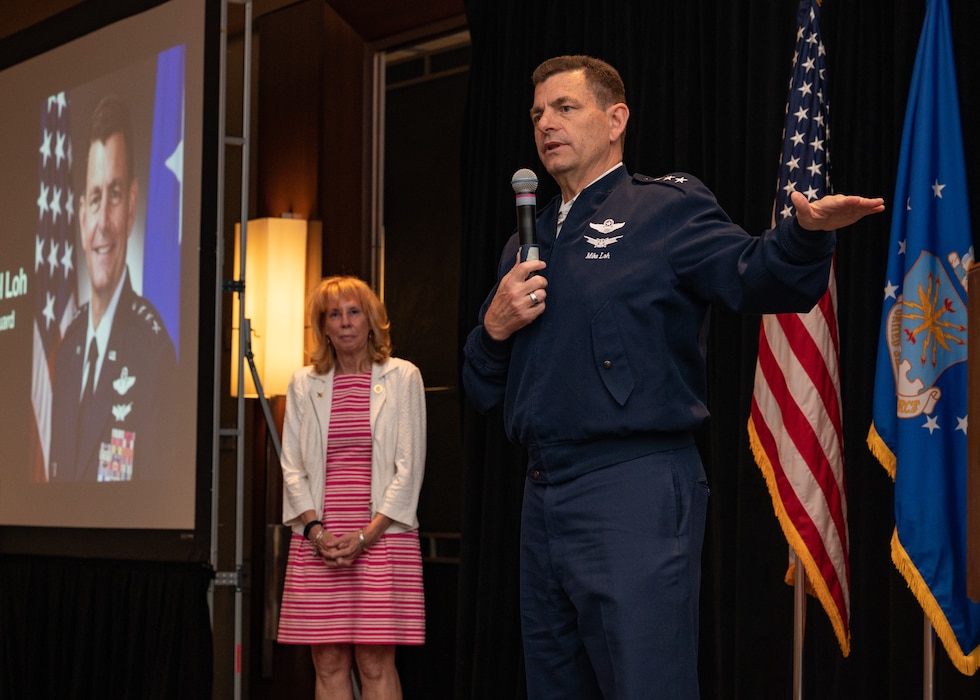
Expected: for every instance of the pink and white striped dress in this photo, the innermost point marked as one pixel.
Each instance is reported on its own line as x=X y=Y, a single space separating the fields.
x=378 y=600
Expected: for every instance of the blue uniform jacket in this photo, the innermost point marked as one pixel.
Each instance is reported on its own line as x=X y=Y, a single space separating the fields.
x=615 y=366
x=127 y=419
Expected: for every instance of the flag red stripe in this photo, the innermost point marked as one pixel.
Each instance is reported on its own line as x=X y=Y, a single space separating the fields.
x=811 y=359
x=801 y=432
x=796 y=339
x=803 y=436
x=804 y=524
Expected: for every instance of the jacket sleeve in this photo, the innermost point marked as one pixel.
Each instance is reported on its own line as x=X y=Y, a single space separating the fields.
x=786 y=269
x=297 y=495
x=401 y=497
x=485 y=366
x=485 y=360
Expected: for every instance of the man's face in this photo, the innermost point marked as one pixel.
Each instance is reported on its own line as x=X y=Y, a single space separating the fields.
x=573 y=134
x=107 y=212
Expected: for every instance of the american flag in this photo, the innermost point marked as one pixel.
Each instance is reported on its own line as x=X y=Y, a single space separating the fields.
x=795 y=422
x=54 y=265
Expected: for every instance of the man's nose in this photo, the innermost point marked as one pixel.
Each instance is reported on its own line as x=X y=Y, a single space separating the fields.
x=102 y=214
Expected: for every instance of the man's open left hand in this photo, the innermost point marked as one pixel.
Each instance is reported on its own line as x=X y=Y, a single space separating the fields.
x=834 y=211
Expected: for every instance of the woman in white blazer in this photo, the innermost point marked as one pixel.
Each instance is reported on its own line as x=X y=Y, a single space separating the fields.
x=353 y=458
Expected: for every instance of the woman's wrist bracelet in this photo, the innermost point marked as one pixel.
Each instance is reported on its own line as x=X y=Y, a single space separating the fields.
x=360 y=538
x=309 y=526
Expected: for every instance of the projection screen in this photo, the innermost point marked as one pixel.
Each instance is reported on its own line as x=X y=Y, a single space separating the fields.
x=103 y=294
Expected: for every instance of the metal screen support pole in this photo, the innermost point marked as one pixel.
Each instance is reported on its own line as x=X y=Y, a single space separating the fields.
x=270 y=422
x=233 y=578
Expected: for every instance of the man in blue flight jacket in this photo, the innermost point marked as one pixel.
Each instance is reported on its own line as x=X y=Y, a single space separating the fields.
x=599 y=362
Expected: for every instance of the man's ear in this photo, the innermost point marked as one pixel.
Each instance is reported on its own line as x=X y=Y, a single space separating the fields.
x=134 y=196
x=618 y=115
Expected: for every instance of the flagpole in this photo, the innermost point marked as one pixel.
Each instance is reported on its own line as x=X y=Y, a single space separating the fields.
x=928 y=650
x=799 y=597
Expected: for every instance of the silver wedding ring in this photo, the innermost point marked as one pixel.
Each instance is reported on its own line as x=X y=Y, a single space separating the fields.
x=534 y=298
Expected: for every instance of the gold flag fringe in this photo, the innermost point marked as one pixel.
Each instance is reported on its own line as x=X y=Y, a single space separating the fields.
x=965 y=663
x=881 y=451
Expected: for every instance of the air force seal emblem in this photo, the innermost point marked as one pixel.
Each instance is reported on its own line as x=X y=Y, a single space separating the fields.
x=926 y=334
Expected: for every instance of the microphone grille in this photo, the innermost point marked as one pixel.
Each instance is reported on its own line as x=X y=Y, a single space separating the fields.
x=524 y=181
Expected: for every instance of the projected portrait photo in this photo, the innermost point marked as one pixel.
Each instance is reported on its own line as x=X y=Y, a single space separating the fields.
x=108 y=384
x=108 y=298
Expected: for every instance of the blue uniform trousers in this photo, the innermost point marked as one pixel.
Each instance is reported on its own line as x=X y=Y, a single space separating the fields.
x=610 y=578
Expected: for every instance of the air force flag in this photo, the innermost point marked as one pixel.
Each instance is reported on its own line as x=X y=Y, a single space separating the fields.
x=920 y=407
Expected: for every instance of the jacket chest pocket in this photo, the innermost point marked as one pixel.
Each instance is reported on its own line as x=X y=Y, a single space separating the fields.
x=609 y=355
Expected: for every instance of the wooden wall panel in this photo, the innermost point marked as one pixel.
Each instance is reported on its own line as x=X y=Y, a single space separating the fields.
x=345 y=167
x=290 y=65
x=313 y=127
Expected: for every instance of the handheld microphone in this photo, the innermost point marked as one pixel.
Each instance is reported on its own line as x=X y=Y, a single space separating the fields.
x=525 y=183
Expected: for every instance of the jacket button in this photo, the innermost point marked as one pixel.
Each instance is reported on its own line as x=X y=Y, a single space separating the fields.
x=607 y=364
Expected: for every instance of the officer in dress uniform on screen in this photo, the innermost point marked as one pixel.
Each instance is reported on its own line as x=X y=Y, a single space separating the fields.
x=116 y=366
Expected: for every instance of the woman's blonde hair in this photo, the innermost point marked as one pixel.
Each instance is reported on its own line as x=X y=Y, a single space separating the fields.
x=328 y=293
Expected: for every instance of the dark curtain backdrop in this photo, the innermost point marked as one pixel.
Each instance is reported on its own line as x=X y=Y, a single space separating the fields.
x=114 y=630
x=706 y=83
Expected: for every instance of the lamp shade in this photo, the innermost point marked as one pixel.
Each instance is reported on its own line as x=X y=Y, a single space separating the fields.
x=275 y=303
